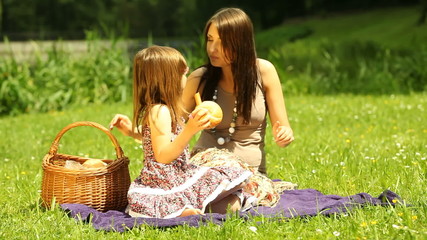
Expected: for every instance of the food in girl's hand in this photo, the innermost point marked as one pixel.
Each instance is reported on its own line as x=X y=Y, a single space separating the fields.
x=215 y=111
x=94 y=163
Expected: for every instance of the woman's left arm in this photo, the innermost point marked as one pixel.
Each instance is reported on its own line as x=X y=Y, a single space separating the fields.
x=282 y=131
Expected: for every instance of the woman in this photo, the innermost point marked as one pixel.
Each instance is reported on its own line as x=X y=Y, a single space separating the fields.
x=246 y=88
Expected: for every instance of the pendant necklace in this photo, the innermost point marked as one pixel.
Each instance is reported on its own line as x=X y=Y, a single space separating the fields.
x=231 y=129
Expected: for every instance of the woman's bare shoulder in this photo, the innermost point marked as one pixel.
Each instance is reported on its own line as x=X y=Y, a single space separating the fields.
x=193 y=80
x=268 y=73
x=198 y=73
x=265 y=65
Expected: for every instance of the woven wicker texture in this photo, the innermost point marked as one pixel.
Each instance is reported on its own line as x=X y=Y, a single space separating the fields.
x=102 y=188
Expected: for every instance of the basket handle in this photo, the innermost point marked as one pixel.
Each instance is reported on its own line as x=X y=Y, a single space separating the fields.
x=54 y=147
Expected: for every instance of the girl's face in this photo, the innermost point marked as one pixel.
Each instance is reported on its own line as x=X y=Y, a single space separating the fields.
x=214 y=48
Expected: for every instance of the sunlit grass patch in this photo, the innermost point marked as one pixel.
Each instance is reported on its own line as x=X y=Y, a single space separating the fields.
x=344 y=145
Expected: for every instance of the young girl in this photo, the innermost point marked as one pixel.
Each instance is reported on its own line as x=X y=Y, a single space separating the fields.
x=168 y=186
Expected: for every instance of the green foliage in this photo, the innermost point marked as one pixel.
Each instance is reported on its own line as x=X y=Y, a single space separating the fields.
x=344 y=145
x=311 y=57
x=352 y=53
x=278 y=36
x=327 y=67
x=55 y=79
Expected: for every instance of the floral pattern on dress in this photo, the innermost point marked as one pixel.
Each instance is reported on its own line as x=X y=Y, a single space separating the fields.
x=264 y=189
x=165 y=190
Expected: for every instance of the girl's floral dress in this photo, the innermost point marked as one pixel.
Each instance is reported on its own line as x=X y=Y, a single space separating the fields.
x=266 y=191
x=166 y=190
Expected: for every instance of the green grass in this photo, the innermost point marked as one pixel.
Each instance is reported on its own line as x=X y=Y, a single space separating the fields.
x=392 y=27
x=373 y=52
x=344 y=145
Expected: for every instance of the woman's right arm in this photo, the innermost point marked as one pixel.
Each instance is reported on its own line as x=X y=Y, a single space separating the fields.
x=191 y=88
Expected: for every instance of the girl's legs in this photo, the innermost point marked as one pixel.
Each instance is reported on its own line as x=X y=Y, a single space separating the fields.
x=226 y=200
x=190 y=211
x=231 y=202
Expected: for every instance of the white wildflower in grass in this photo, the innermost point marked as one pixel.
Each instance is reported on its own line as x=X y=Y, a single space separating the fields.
x=253 y=229
x=313 y=171
x=397 y=226
x=319 y=230
x=336 y=233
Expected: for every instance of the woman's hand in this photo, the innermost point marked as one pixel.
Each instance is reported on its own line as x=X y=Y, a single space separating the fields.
x=283 y=135
x=123 y=124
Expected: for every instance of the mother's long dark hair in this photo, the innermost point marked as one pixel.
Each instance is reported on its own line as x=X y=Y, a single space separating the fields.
x=237 y=36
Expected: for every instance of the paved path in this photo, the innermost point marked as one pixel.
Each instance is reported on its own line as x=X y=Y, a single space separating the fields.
x=26 y=49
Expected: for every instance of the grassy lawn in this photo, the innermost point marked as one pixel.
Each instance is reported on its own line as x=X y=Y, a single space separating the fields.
x=392 y=27
x=344 y=145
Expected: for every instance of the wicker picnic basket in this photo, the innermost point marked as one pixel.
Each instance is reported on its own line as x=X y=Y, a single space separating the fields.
x=102 y=188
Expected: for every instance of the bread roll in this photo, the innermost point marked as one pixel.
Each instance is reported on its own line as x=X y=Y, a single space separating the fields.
x=213 y=108
x=215 y=112
x=94 y=163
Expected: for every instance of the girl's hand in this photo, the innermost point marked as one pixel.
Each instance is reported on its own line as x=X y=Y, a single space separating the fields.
x=122 y=123
x=198 y=120
x=283 y=135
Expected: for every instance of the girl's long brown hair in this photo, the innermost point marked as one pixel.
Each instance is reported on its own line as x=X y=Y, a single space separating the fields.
x=237 y=36
x=157 y=74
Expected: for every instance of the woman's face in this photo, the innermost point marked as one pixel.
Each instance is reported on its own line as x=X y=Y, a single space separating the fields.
x=214 y=48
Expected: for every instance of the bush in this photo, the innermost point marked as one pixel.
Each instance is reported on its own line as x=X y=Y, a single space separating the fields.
x=350 y=67
x=56 y=79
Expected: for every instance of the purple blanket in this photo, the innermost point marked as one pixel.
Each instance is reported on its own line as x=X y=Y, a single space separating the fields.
x=293 y=203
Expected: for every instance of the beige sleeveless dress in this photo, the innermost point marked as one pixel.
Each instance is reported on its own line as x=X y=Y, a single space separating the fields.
x=248 y=140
